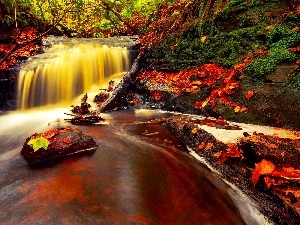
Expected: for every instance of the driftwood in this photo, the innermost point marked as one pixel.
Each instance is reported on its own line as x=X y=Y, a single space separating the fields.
x=121 y=90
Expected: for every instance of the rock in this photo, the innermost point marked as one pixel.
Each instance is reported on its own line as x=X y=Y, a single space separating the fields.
x=279 y=203
x=45 y=148
x=278 y=150
x=281 y=73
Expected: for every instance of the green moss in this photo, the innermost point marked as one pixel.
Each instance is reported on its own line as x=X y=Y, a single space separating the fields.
x=288 y=41
x=227 y=42
x=294 y=80
x=278 y=52
x=278 y=33
x=222 y=48
x=260 y=67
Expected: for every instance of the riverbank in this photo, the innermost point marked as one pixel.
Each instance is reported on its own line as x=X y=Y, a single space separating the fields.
x=229 y=158
x=263 y=163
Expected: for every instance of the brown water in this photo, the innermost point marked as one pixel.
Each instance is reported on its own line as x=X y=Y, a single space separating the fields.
x=140 y=174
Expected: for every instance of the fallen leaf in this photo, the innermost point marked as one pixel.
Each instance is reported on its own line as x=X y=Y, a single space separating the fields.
x=209 y=146
x=203 y=39
x=201 y=146
x=262 y=168
x=249 y=94
x=237 y=109
x=38 y=143
x=195 y=130
x=66 y=140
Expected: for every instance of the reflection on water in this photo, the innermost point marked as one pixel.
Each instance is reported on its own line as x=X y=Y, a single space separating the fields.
x=140 y=174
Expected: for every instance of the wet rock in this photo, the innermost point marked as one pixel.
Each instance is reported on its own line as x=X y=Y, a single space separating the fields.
x=46 y=148
x=279 y=204
x=278 y=150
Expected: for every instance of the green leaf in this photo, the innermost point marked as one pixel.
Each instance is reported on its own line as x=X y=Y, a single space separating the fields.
x=38 y=143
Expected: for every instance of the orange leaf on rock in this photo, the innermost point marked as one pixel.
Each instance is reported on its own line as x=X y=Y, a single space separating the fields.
x=232 y=151
x=240 y=109
x=204 y=103
x=249 y=94
x=237 y=109
x=201 y=146
x=66 y=140
x=209 y=146
x=262 y=168
x=195 y=130
x=288 y=173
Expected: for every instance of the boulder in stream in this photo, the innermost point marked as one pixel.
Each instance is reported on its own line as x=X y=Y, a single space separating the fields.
x=46 y=148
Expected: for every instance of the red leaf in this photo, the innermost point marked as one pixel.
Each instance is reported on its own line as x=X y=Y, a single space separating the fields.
x=262 y=168
x=249 y=94
x=66 y=140
x=232 y=151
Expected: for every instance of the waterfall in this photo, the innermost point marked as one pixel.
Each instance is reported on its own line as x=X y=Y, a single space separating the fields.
x=66 y=71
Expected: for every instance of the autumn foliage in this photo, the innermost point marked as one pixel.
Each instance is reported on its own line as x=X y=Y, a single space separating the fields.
x=175 y=18
x=10 y=53
x=222 y=82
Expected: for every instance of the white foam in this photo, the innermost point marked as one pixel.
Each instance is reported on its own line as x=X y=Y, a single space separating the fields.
x=247 y=208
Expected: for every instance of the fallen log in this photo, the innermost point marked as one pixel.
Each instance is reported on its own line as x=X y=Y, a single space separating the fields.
x=279 y=203
x=118 y=96
x=278 y=150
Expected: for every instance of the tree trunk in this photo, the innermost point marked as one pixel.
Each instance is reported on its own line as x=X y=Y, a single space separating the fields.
x=121 y=91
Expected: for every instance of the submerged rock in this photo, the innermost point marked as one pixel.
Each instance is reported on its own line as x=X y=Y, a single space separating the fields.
x=45 y=148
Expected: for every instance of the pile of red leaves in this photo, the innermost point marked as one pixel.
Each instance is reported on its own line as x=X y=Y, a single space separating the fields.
x=222 y=82
x=18 y=38
x=276 y=164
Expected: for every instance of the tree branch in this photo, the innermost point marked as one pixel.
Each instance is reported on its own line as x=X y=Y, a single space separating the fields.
x=106 y=6
x=21 y=45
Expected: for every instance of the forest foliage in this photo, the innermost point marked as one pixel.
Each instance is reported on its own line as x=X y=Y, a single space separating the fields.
x=185 y=33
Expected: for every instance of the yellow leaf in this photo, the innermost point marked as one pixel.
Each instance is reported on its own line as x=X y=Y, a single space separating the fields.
x=204 y=103
x=237 y=109
x=269 y=27
x=203 y=39
x=195 y=130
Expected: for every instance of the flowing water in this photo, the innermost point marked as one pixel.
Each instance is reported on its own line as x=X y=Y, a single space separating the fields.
x=69 y=69
x=140 y=173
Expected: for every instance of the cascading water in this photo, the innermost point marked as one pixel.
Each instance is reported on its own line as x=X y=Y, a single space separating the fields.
x=67 y=70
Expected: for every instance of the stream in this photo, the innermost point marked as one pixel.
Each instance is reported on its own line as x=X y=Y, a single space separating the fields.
x=140 y=174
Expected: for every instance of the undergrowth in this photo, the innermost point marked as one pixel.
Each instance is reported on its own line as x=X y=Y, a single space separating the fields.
x=279 y=39
x=294 y=80
x=228 y=39
x=224 y=40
